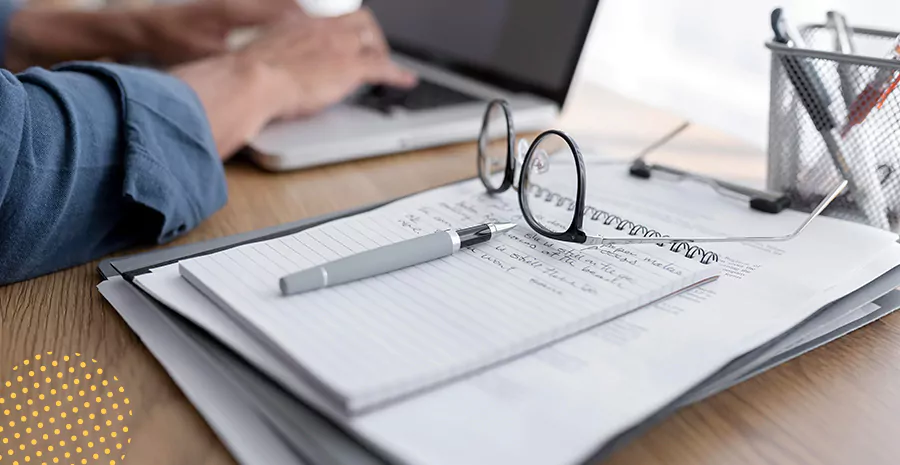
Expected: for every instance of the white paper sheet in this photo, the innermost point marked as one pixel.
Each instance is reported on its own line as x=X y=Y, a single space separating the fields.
x=560 y=404
x=386 y=337
x=190 y=303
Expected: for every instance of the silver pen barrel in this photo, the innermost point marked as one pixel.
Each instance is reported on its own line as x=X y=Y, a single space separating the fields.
x=372 y=263
x=389 y=258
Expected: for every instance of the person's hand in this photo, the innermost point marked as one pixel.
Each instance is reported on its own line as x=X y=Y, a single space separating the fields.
x=314 y=63
x=299 y=67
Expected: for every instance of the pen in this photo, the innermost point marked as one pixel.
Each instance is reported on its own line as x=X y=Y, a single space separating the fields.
x=843 y=43
x=843 y=36
x=876 y=90
x=390 y=258
x=895 y=55
x=865 y=189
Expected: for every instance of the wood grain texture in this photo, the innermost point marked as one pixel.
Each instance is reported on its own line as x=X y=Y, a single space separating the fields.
x=839 y=404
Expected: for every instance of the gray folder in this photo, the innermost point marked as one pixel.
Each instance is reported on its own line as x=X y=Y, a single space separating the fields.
x=179 y=344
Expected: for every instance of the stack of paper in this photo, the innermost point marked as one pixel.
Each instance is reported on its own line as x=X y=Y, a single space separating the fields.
x=376 y=340
x=558 y=402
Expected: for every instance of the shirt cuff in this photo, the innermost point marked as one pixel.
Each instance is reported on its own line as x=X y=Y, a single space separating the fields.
x=7 y=9
x=174 y=168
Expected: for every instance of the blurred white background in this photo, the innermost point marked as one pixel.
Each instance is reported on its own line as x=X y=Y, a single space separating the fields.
x=705 y=59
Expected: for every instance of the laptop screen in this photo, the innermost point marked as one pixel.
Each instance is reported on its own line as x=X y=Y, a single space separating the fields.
x=520 y=45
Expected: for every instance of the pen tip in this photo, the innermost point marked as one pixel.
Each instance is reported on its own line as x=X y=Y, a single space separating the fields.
x=503 y=227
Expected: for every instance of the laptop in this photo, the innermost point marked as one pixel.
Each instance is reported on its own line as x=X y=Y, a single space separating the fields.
x=466 y=52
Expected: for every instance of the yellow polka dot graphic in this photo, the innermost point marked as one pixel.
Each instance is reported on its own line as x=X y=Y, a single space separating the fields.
x=62 y=410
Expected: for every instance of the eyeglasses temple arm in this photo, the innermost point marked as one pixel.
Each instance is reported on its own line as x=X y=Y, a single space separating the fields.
x=596 y=240
x=662 y=141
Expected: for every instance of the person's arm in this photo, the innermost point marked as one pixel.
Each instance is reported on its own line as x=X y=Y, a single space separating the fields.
x=164 y=35
x=97 y=157
x=44 y=37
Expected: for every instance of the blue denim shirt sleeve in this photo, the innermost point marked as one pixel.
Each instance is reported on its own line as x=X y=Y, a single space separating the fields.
x=95 y=158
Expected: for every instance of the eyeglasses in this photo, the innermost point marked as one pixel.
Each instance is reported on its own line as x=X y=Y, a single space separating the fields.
x=549 y=176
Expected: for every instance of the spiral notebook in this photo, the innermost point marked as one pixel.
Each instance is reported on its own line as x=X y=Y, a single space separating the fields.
x=379 y=340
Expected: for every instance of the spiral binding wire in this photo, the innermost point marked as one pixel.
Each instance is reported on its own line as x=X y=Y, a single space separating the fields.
x=690 y=250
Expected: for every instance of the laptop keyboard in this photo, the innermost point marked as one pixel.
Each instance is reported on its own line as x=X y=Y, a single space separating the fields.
x=426 y=95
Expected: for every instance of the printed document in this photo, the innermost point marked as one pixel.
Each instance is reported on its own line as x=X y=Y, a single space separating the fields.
x=384 y=338
x=560 y=404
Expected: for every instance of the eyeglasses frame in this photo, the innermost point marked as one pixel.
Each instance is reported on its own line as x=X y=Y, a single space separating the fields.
x=575 y=233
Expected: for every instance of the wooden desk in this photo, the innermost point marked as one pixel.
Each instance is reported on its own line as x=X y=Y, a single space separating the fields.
x=839 y=404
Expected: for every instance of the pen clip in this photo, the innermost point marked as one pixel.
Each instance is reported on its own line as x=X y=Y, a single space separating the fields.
x=778 y=27
x=802 y=75
x=784 y=30
x=843 y=40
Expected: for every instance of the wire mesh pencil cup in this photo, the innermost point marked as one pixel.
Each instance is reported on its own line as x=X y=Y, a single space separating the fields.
x=812 y=148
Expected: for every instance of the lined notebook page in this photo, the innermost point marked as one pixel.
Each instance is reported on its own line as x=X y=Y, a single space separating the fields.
x=376 y=340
